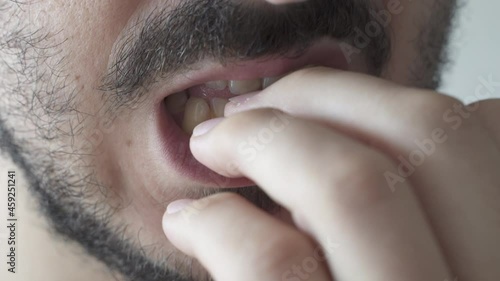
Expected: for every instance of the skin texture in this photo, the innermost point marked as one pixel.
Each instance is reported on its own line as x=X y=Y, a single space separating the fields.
x=89 y=154
x=355 y=190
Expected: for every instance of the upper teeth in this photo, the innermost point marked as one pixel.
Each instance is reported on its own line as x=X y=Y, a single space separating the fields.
x=189 y=111
x=240 y=87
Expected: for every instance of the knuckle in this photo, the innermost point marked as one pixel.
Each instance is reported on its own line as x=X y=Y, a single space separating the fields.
x=359 y=183
x=434 y=101
x=488 y=113
x=278 y=253
x=428 y=111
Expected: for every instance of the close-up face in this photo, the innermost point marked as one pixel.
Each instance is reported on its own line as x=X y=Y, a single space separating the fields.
x=102 y=96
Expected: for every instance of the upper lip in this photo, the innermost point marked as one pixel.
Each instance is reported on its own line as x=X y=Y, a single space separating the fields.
x=323 y=53
x=175 y=143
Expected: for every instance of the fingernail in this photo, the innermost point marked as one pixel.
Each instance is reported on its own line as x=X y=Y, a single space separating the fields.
x=239 y=103
x=178 y=205
x=242 y=99
x=206 y=126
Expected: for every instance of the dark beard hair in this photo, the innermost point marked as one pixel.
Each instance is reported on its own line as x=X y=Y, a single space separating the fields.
x=76 y=223
x=90 y=227
x=222 y=23
x=168 y=42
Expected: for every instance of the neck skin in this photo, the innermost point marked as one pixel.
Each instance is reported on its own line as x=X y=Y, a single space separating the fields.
x=42 y=255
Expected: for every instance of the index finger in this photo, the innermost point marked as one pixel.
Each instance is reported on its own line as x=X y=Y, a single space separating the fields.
x=335 y=189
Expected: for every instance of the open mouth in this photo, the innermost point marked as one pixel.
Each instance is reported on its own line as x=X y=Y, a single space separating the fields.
x=204 y=95
x=200 y=103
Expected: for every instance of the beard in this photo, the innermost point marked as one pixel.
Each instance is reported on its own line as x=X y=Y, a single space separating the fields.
x=68 y=191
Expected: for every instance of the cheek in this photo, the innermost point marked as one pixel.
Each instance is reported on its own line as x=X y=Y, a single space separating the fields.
x=75 y=41
x=125 y=168
x=78 y=36
x=125 y=159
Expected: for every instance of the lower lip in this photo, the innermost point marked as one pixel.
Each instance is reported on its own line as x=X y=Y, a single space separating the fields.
x=175 y=145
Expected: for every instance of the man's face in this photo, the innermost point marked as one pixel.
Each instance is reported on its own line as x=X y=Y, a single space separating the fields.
x=84 y=109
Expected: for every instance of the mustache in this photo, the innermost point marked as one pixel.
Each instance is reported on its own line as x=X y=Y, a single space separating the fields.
x=168 y=41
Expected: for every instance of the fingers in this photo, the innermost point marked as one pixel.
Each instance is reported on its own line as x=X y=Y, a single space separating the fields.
x=335 y=188
x=489 y=114
x=359 y=103
x=445 y=149
x=236 y=241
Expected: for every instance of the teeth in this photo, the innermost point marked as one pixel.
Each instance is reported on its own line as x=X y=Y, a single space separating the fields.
x=217 y=105
x=217 y=85
x=194 y=110
x=176 y=102
x=268 y=81
x=197 y=111
x=189 y=112
x=244 y=86
x=240 y=87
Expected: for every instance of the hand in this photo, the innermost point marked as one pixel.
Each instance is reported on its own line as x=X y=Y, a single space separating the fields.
x=391 y=183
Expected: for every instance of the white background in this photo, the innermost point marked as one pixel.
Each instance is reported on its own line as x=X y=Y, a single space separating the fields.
x=475 y=49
